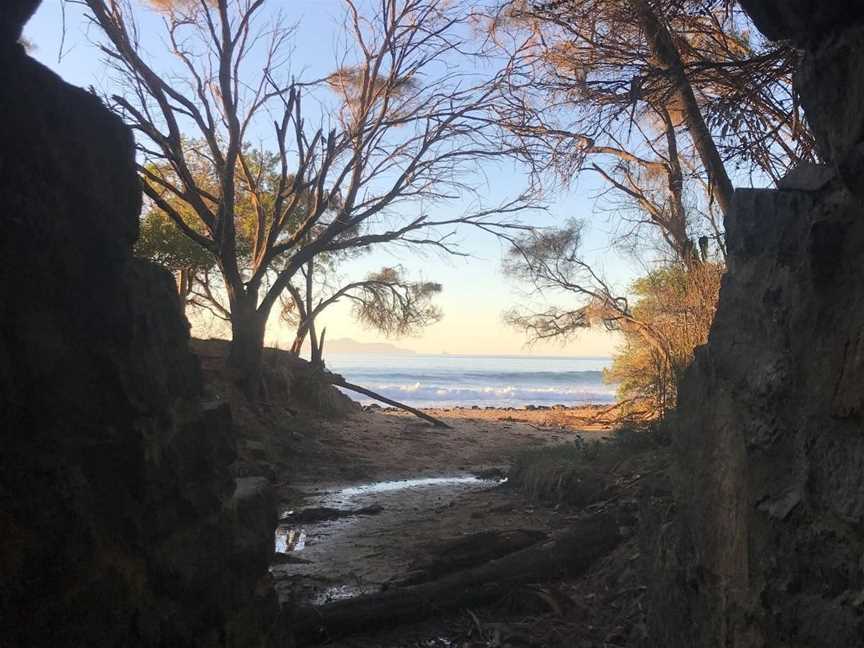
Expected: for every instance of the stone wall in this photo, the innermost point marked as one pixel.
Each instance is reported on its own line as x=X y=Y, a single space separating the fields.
x=767 y=548
x=120 y=523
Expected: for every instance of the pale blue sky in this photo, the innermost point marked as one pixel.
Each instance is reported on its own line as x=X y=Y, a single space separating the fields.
x=475 y=292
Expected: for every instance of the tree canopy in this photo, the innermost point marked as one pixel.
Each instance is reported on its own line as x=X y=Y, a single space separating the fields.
x=394 y=144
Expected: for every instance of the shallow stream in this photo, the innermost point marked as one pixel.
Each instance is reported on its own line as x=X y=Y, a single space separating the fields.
x=345 y=557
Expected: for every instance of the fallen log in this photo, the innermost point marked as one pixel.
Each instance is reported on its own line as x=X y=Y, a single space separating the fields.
x=340 y=382
x=453 y=555
x=568 y=554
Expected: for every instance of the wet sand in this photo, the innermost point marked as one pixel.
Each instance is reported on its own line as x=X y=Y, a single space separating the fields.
x=381 y=444
x=364 y=460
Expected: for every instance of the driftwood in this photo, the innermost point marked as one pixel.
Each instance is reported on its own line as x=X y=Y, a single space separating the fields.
x=326 y=514
x=568 y=554
x=339 y=381
x=453 y=555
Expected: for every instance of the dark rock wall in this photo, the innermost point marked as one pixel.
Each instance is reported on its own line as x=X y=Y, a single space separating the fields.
x=13 y=15
x=120 y=523
x=767 y=548
x=804 y=22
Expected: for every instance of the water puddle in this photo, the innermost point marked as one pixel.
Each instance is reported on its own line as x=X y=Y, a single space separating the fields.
x=292 y=538
x=341 y=593
x=289 y=540
x=370 y=542
x=404 y=484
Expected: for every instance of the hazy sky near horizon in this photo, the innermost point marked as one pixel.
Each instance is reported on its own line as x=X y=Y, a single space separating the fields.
x=475 y=291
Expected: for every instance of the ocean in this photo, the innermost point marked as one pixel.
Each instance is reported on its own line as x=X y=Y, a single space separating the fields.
x=485 y=381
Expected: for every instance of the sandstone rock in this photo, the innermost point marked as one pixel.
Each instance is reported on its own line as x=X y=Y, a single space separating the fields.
x=120 y=524
x=769 y=435
x=832 y=93
x=831 y=36
x=766 y=549
x=807 y=177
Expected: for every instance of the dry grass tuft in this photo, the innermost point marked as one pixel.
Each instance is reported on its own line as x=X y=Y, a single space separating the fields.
x=581 y=473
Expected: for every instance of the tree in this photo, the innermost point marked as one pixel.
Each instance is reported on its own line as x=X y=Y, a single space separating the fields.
x=672 y=314
x=384 y=301
x=611 y=79
x=548 y=263
x=395 y=145
x=678 y=304
x=387 y=303
x=194 y=266
x=658 y=98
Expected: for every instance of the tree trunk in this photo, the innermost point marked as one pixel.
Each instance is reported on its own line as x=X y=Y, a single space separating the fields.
x=303 y=324
x=318 y=349
x=666 y=53
x=299 y=339
x=184 y=286
x=677 y=223
x=247 y=345
x=314 y=354
x=313 y=343
x=182 y=283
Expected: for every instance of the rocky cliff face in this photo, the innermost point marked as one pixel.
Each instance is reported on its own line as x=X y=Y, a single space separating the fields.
x=120 y=523
x=768 y=547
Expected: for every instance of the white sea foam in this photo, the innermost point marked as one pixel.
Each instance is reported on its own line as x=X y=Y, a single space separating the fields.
x=435 y=381
x=503 y=395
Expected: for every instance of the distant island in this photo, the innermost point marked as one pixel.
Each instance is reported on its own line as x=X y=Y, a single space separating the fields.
x=348 y=345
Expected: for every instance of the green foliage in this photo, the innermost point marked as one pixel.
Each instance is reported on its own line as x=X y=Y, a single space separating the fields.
x=394 y=306
x=163 y=241
x=160 y=240
x=676 y=306
x=262 y=165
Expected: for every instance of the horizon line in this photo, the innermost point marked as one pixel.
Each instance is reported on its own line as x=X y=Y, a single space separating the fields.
x=445 y=354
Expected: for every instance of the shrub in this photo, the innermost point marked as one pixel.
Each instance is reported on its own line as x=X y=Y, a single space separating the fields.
x=677 y=306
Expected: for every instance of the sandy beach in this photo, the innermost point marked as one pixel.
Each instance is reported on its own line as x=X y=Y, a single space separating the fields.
x=375 y=443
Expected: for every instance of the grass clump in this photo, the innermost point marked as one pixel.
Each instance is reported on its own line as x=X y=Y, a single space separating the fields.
x=561 y=473
x=582 y=472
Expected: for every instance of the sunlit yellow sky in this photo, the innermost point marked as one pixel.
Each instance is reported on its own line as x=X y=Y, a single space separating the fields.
x=475 y=291
x=481 y=333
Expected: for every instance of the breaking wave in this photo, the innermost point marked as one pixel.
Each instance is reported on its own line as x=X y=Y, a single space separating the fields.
x=489 y=378
x=509 y=396
x=448 y=381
